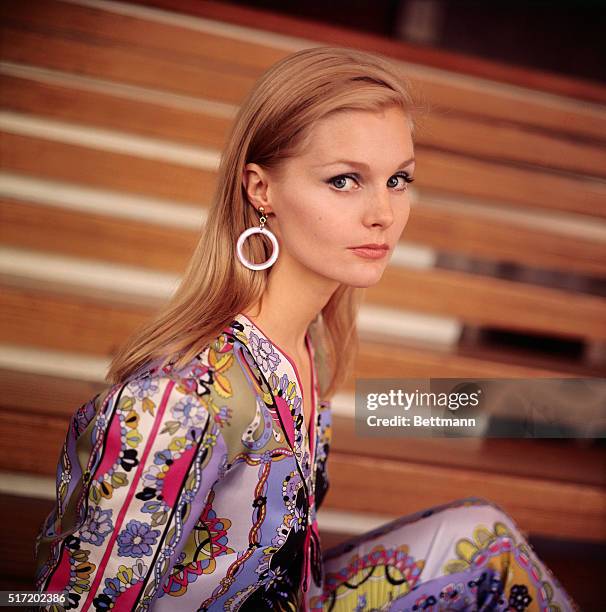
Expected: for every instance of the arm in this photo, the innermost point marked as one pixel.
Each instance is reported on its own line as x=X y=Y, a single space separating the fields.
x=135 y=470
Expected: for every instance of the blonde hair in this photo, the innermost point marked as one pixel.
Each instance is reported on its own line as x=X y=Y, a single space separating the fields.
x=273 y=124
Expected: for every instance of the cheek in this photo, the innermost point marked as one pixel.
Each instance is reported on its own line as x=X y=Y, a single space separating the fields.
x=326 y=231
x=311 y=224
x=401 y=219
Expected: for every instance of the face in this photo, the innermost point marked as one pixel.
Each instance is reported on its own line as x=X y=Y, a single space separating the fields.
x=322 y=207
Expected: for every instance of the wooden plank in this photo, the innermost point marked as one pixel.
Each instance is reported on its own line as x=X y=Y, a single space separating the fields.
x=101 y=237
x=62 y=322
x=130 y=65
x=441 y=172
x=502 y=141
x=455 y=230
x=29 y=451
x=96 y=237
x=82 y=165
x=105 y=109
x=47 y=395
x=172 y=42
x=22 y=518
x=480 y=300
x=109 y=60
x=95 y=320
x=458 y=63
x=546 y=459
x=517 y=186
x=395 y=488
x=503 y=106
x=507 y=141
x=417 y=360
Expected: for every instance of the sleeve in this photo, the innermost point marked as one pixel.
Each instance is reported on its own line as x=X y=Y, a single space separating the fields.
x=136 y=467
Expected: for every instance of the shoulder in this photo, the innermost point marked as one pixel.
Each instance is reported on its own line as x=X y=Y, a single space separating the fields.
x=215 y=368
x=218 y=382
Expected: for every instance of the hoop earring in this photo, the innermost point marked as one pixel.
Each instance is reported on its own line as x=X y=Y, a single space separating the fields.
x=258 y=230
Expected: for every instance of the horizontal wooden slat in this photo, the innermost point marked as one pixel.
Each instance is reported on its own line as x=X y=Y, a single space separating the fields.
x=458 y=63
x=95 y=325
x=162 y=40
x=62 y=322
x=491 y=301
x=129 y=65
x=482 y=100
x=47 y=395
x=96 y=236
x=75 y=311
x=545 y=507
x=442 y=172
x=22 y=517
x=102 y=237
x=102 y=109
x=526 y=457
x=450 y=229
x=510 y=143
x=410 y=360
x=31 y=452
x=43 y=158
x=112 y=35
x=515 y=185
x=504 y=142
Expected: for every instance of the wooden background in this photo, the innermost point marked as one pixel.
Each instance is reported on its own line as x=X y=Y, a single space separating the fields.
x=113 y=118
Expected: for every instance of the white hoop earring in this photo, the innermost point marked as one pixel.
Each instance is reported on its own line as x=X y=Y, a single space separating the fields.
x=258 y=230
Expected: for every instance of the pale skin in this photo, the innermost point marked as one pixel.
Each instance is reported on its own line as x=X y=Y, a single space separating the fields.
x=317 y=214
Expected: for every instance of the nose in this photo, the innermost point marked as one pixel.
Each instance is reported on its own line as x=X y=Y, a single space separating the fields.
x=379 y=210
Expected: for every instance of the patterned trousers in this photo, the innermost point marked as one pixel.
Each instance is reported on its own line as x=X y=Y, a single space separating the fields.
x=467 y=554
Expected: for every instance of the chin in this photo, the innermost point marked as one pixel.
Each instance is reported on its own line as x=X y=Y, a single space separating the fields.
x=363 y=275
x=363 y=281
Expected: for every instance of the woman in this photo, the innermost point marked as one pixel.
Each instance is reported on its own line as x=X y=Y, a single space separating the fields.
x=192 y=482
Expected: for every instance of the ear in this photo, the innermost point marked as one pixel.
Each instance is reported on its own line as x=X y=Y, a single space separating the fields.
x=255 y=184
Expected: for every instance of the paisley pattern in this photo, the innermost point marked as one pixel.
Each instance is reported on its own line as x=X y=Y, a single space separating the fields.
x=197 y=489
x=194 y=489
x=467 y=554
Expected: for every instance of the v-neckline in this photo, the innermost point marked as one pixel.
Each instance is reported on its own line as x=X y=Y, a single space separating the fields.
x=309 y=421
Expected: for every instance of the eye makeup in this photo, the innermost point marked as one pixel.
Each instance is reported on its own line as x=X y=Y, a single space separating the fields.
x=356 y=177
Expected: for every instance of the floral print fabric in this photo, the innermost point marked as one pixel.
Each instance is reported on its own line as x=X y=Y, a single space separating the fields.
x=197 y=489
x=467 y=554
x=194 y=489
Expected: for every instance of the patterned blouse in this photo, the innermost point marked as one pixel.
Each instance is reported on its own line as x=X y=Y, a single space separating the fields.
x=192 y=489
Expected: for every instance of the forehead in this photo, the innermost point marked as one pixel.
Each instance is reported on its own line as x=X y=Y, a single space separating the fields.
x=357 y=132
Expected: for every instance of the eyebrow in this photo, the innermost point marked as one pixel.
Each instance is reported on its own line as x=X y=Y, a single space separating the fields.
x=362 y=164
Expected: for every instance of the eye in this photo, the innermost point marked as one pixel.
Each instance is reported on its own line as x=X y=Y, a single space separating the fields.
x=340 y=181
x=407 y=179
x=342 y=178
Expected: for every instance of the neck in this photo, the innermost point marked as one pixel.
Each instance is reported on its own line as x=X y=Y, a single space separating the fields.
x=287 y=307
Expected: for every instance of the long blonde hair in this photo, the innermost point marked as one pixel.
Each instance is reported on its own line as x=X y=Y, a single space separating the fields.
x=273 y=124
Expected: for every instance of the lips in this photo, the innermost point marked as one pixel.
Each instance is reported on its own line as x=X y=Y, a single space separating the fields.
x=373 y=245
x=374 y=252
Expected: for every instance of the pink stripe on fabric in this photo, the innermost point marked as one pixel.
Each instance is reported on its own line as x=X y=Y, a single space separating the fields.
x=130 y=495
x=311 y=432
